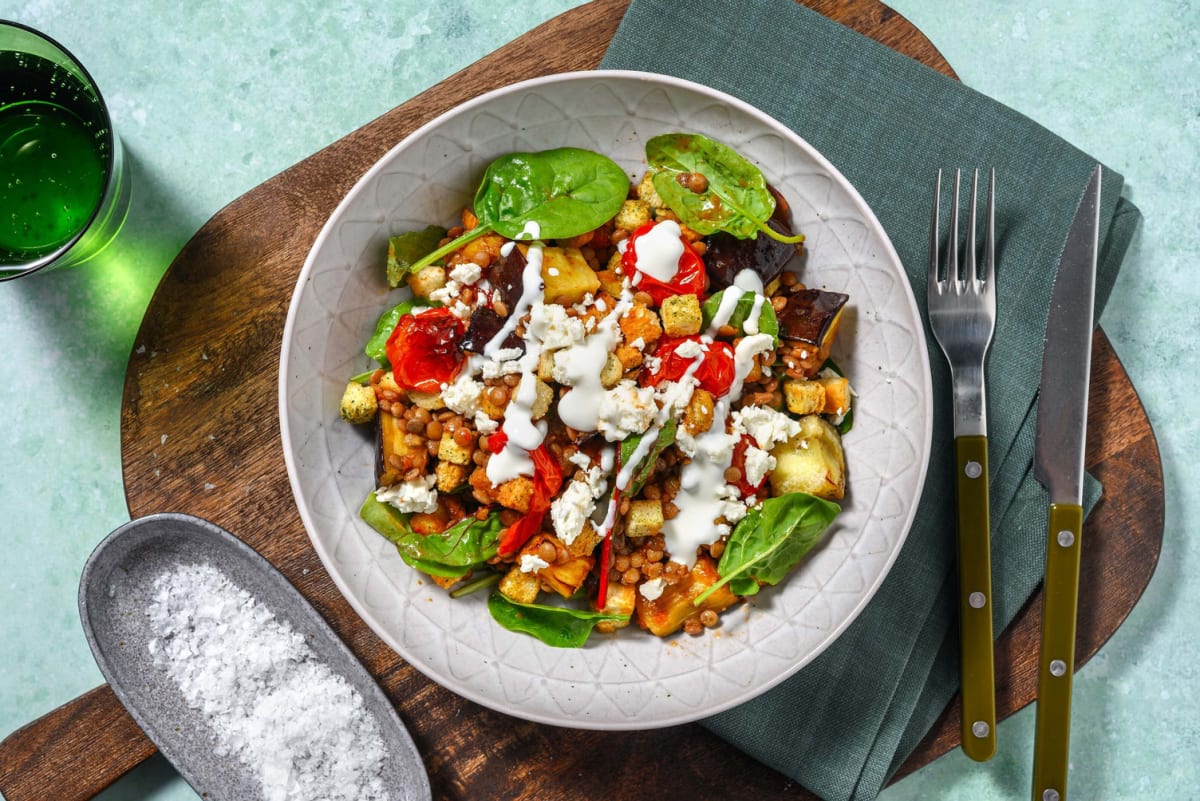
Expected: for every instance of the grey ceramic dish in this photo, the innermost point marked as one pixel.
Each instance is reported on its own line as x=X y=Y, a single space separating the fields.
x=113 y=595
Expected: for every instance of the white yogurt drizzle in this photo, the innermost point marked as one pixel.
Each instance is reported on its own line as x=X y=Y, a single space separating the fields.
x=583 y=364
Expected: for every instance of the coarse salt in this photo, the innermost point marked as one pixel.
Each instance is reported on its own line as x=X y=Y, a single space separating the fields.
x=303 y=730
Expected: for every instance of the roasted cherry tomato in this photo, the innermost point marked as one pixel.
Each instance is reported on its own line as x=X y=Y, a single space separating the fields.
x=690 y=279
x=425 y=350
x=547 y=481
x=739 y=461
x=715 y=373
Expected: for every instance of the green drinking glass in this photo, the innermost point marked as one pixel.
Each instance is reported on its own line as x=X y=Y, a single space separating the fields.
x=64 y=184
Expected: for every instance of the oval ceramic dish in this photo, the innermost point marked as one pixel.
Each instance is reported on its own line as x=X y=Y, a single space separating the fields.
x=630 y=680
x=114 y=593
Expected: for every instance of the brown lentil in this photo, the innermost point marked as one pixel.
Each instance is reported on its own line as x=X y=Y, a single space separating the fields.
x=512 y=380
x=693 y=626
x=778 y=302
x=547 y=552
x=414 y=427
x=788 y=278
x=733 y=475
x=717 y=548
x=652 y=492
x=433 y=429
x=631 y=576
x=421 y=415
x=709 y=618
x=414 y=440
x=621 y=563
x=670 y=510
x=432 y=446
x=636 y=559
x=652 y=570
x=464 y=437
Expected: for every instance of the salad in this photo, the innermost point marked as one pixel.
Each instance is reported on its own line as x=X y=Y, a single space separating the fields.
x=606 y=402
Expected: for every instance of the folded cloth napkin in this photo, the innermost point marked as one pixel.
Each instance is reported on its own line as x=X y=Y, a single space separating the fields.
x=845 y=723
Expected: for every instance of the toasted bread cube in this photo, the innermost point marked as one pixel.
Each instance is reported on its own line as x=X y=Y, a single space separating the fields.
x=698 y=416
x=426 y=400
x=451 y=451
x=388 y=381
x=586 y=542
x=633 y=214
x=621 y=600
x=640 y=322
x=520 y=587
x=516 y=493
x=628 y=357
x=611 y=280
x=681 y=315
x=567 y=276
x=545 y=368
x=837 y=395
x=645 y=518
x=491 y=409
x=612 y=371
x=804 y=397
x=427 y=281
x=544 y=398
x=450 y=476
x=647 y=192
x=359 y=403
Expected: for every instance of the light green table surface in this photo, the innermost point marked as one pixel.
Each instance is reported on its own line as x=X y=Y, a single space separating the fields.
x=213 y=98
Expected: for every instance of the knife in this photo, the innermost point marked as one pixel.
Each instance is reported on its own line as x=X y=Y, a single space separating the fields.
x=1058 y=465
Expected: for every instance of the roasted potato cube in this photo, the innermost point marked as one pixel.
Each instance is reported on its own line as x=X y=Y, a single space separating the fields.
x=633 y=214
x=621 y=600
x=545 y=368
x=450 y=476
x=359 y=403
x=567 y=576
x=640 y=322
x=391 y=443
x=611 y=373
x=645 y=518
x=520 y=587
x=426 y=400
x=698 y=416
x=544 y=398
x=647 y=193
x=669 y=611
x=812 y=461
x=451 y=451
x=681 y=315
x=804 y=397
x=516 y=493
x=567 y=276
x=837 y=395
x=611 y=280
x=427 y=281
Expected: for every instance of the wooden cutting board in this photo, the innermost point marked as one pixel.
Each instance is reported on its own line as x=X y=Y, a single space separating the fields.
x=200 y=434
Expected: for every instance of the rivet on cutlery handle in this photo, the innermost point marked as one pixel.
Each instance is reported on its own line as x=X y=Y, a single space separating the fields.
x=975 y=599
x=1057 y=660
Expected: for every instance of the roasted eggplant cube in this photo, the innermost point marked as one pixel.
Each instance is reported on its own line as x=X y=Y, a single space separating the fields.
x=811 y=317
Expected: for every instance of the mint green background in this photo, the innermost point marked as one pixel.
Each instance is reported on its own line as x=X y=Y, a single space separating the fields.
x=212 y=100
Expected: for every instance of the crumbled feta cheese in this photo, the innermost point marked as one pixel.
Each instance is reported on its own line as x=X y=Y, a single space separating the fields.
x=485 y=424
x=532 y=563
x=652 y=590
x=580 y=460
x=626 y=409
x=758 y=464
x=570 y=511
x=417 y=495
x=639 y=344
x=732 y=507
x=505 y=361
x=447 y=294
x=689 y=349
x=550 y=325
x=652 y=363
x=601 y=306
x=766 y=425
x=585 y=305
x=723 y=530
x=460 y=310
x=462 y=394
x=468 y=272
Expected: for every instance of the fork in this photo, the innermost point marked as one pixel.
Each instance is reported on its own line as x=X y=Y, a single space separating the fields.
x=962 y=314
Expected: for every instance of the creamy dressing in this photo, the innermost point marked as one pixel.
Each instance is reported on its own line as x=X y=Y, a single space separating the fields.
x=659 y=250
x=579 y=367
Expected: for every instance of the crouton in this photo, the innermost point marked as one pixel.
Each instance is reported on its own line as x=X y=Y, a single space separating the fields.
x=586 y=542
x=612 y=371
x=633 y=214
x=804 y=397
x=681 y=316
x=545 y=367
x=640 y=322
x=837 y=395
x=628 y=357
x=543 y=399
x=520 y=587
x=621 y=600
x=427 y=400
x=450 y=476
x=359 y=403
x=611 y=280
x=645 y=518
x=451 y=451
x=427 y=281
x=516 y=493
x=648 y=194
x=490 y=408
x=698 y=416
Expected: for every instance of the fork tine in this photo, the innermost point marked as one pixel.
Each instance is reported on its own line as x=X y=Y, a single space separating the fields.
x=989 y=252
x=969 y=273
x=934 y=286
x=952 y=248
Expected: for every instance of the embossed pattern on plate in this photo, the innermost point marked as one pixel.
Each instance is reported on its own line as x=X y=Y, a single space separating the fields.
x=631 y=680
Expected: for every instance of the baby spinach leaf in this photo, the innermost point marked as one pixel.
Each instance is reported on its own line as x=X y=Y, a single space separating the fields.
x=567 y=191
x=376 y=346
x=452 y=553
x=767 y=324
x=770 y=540
x=556 y=626
x=737 y=199
x=407 y=249
x=641 y=474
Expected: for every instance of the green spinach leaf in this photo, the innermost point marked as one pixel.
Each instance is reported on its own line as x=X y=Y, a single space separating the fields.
x=453 y=553
x=567 y=191
x=737 y=199
x=767 y=324
x=554 y=625
x=407 y=249
x=641 y=474
x=770 y=540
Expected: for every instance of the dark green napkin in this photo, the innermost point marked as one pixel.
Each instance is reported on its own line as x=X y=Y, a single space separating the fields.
x=844 y=724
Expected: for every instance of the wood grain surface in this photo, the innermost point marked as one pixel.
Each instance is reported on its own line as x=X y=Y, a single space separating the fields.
x=199 y=435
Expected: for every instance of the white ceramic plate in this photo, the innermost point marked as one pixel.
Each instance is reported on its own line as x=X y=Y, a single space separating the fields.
x=631 y=680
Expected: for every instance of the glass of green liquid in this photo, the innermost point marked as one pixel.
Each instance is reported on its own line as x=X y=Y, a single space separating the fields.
x=64 y=185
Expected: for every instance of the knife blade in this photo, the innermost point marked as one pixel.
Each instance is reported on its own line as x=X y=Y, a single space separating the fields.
x=1058 y=465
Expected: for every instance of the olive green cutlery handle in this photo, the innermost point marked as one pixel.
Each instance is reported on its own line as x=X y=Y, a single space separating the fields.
x=975 y=599
x=1056 y=661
